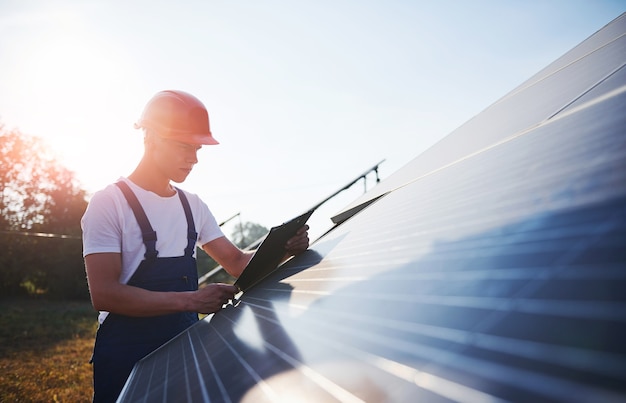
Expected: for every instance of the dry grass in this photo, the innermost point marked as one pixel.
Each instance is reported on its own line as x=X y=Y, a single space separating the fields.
x=44 y=351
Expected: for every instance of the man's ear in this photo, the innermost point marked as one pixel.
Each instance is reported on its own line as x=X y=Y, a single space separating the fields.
x=149 y=138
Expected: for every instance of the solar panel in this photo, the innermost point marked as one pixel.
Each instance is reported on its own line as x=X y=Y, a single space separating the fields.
x=490 y=268
x=583 y=69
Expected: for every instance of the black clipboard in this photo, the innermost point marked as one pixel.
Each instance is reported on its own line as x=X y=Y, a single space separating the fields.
x=270 y=253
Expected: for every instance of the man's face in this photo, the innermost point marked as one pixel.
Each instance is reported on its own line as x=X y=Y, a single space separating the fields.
x=175 y=159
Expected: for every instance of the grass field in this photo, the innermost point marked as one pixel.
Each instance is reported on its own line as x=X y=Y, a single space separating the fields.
x=45 y=347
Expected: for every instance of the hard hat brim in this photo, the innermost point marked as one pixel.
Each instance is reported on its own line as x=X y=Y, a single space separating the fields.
x=203 y=139
x=198 y=138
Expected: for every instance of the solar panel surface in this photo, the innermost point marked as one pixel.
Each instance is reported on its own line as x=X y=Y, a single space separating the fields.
x=582 y=69
x=492 y=270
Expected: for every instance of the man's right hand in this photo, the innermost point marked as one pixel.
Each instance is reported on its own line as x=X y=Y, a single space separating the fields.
x=211 y=298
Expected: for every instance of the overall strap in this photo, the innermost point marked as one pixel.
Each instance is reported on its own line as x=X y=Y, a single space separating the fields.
x=192 y=235
x=148 y=234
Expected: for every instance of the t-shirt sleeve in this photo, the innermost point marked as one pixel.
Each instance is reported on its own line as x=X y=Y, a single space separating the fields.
x=208 y=229
x=101 y=225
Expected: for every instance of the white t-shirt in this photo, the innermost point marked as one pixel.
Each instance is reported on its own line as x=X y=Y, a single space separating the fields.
x=109 y=226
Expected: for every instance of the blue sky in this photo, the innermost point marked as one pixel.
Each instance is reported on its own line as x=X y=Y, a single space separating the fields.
x=303 y=96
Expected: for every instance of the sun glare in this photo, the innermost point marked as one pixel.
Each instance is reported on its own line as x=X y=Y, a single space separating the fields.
x=71 y=88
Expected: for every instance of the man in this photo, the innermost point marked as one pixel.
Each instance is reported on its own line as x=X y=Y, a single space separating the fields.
x=139 y=239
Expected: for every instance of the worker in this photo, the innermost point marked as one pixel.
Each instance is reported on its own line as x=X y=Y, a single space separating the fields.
x=139 y=239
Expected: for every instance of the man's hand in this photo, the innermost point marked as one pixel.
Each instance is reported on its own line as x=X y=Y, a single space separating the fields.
x=211 y=298
x=299 y=242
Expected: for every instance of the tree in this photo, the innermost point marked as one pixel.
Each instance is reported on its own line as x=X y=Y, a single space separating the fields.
x=244 y=235
x=35 y=189
x=247 y=233
x=38 y=195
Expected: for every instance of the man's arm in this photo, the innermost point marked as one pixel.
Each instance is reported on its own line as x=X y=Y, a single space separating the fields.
x=228 y=255
x=108 y=294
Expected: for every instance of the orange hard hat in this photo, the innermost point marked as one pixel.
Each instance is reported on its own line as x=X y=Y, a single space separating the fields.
x=177 y=115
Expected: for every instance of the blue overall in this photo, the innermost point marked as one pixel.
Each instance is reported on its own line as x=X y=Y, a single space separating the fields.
x=121 y=340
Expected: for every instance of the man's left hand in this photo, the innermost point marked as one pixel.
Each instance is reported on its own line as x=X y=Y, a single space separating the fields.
x=299 y=242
